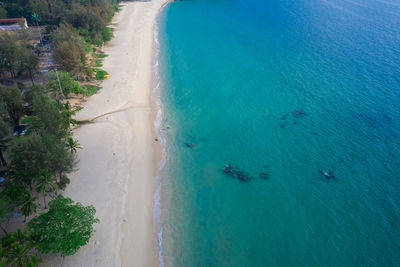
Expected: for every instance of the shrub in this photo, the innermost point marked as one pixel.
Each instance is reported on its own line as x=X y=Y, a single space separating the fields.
x=91 y=89
x=100 y=74
x=68 y=84
x=64 y=181
x=99 y=62
x=69 y=52
x=107 y=34
x=100 y=55
x=89 y=22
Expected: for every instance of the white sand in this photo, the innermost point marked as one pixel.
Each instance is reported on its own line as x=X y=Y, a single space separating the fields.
x=116 y=169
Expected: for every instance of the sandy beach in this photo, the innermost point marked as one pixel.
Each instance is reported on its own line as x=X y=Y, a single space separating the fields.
x=117 y=162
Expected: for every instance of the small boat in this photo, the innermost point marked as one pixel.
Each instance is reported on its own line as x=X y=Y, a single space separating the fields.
x=327 y=174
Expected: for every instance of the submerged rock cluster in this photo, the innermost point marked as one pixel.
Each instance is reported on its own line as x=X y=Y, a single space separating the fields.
x=296 y=114
x=236 y=173
x=264 y=175
x=190 y=145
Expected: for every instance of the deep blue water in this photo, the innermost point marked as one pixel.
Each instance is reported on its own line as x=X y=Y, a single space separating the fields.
x=233 y=73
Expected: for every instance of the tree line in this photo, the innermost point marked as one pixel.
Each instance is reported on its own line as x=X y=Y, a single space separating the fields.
x=38 y=162
x=37 y=148
x=90 y=17
x=72 y=29
x=17 y=58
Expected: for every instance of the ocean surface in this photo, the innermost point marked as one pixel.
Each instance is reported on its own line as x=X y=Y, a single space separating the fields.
x=281 y=90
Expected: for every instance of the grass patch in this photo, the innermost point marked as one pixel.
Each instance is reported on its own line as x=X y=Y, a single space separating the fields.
x=107 y=34
x=91 y=89
x=100 y=55
x=98 y=63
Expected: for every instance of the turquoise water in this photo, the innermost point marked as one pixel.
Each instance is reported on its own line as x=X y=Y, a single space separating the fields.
x=232 y=75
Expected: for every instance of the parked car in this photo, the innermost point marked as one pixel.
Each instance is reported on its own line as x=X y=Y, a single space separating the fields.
x=20 y=130
x=2 y=177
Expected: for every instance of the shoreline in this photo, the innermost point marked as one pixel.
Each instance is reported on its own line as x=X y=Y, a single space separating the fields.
x=120 y=158
x=159 y=144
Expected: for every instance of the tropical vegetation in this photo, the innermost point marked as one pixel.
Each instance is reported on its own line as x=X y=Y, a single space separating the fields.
x=37 y=146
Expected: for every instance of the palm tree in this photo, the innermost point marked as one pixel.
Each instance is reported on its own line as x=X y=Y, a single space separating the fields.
x=73 y=144
x=18 y=246
x=5 y=131
x=18 y=254
x=68 y=112
x=33 y=261
x=6 y=211
x=3 y=147
x=28 y=206
x=45 y=183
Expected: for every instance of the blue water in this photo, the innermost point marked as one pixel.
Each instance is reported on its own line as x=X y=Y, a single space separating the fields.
x=233 y=73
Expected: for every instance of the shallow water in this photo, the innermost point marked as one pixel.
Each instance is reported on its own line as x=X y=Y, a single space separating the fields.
x=232 y=75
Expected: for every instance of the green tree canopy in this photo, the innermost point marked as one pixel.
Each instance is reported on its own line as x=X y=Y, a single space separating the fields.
x=3 y=13
x=29 y=64
x=69 y=56
x=65 y=228
x=13 y=102
x=36 y=152
x=88 y=19
x=17 y=250
x=5 y=132
x=48 y=117
x=45 y=183
x=9 y=54
x=17 y=57
x=47 y=11
x=69 y=52
x=28 y=205
x=51 y=117
x=15 y=193
x=67 y=82
x=6 y=211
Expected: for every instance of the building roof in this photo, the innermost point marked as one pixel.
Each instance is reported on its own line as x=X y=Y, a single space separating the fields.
x=11 y=27
x=12 y=20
